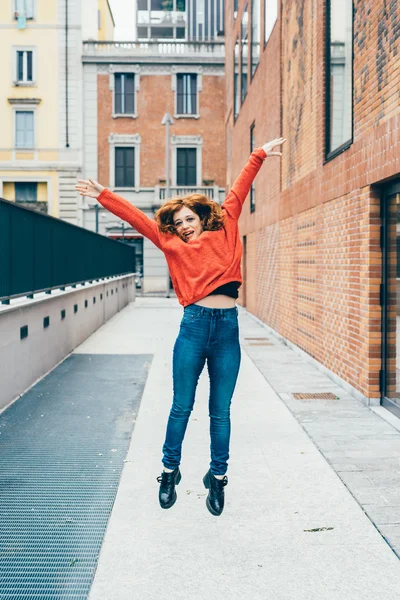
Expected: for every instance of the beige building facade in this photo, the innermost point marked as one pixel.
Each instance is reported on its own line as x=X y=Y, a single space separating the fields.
x=41 y=99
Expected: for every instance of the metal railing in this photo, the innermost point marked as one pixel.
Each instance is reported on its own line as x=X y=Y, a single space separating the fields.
x=40 y=253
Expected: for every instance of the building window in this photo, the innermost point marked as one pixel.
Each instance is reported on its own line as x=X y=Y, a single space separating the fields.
x=24 y=65
x=24 y=8
x=255 y=35
x=340 y=76
x=24 y=127
x=252 y=189
x=124 y=94
x=236 y=98
x=235 y=8
x=186 y=94
x=270 y=17
x=124 y=167
x=243 y=54
x=186 y=171
x=25 y=191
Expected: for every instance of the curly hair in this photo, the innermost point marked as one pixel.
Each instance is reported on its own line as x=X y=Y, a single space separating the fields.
x=208 y=211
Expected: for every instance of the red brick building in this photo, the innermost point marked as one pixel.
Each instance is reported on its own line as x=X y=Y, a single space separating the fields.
x=320 y=228
x=128 y=88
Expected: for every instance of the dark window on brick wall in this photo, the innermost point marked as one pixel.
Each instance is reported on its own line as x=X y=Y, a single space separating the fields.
x=186 y=173
x=236 y=91
x=124 y=91
x=339 y=93
x=124 y=167
x=252 y=189
x=186 y=94
x=244 y=51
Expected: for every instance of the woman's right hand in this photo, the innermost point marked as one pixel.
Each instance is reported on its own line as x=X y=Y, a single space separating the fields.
x=89 y=188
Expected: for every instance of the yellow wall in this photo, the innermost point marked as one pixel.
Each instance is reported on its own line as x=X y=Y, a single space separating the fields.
x=44 y=191
x=45 y=87
x=106 y=31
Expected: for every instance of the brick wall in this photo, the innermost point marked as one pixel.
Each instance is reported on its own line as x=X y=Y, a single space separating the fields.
x=315 y=270
x=154 y=98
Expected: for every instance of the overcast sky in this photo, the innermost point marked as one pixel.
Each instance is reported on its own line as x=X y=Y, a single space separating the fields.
x=123 y=13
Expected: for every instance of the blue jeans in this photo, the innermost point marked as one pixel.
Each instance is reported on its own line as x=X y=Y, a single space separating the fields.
x=210 y=334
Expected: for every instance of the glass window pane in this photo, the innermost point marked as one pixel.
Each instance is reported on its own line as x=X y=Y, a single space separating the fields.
x=244 y=34
x=340 y=83
x=24 y=129
x=236 y=79
x=270 y=17
x=255 y=34
x=25 y=191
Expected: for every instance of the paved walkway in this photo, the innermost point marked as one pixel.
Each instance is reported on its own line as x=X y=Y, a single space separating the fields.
x=292 y=526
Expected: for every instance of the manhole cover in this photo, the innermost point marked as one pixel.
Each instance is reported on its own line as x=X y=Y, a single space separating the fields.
x=316 y=396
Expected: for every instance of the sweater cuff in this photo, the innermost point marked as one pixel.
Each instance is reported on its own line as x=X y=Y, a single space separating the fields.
x=102 y=193
x=260 y=152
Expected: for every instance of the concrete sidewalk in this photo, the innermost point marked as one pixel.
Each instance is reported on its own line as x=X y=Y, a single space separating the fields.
x=281 y=487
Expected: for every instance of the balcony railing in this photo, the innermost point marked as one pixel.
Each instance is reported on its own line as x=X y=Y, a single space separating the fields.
x=214 y=50
x=211 y=192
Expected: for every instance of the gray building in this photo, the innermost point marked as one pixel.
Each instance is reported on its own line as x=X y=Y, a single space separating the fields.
x=192 y=20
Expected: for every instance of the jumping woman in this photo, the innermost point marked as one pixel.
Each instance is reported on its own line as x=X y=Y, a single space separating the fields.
x=201 y=243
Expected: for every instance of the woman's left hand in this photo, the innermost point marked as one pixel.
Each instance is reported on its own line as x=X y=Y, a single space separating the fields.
x=269 y=146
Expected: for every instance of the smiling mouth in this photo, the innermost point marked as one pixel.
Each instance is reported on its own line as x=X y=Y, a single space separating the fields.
x=188 y=235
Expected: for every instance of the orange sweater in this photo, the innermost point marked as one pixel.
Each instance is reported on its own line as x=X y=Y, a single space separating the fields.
x=198 y=267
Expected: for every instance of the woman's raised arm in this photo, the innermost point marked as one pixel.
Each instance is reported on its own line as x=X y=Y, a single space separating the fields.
x=122 y=208
x=233 y=203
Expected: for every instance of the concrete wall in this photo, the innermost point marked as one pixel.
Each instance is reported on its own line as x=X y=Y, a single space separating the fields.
x=22 y=362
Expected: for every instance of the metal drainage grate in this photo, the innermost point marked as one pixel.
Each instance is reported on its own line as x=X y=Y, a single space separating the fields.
x=315 y=396
x=62 y=449
x=257 y=339
x=260 y=344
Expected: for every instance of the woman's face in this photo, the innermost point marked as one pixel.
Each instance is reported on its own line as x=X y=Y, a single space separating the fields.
x=187 y=224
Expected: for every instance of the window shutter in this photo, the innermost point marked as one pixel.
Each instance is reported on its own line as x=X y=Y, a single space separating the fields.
x=118 y=93
x=179 y=91
x=20 y=65
x=130 y=93
x=29 y=65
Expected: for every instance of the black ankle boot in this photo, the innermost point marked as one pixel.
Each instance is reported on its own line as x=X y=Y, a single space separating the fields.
x=168 y=481
x=216 y=496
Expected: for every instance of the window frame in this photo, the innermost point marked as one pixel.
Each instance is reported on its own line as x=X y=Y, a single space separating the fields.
x=250 y=45
x=184 y=114
x=186 y=149
x=123 y=76
x=125 y=70
x=236 y=92
x=331 y=154
x=243 y=98
x=24 y=109
x=119 y=141
x=124 y=149
x=187 y=141
x=252 y=187
x=198 y=71
x=32 y=183
x=15 y=81
x=15 y=11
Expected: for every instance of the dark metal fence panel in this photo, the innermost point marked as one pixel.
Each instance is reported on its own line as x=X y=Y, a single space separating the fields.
x=39 y=252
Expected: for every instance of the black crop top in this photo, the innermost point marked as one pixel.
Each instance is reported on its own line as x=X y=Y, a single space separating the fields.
x=228 y=289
